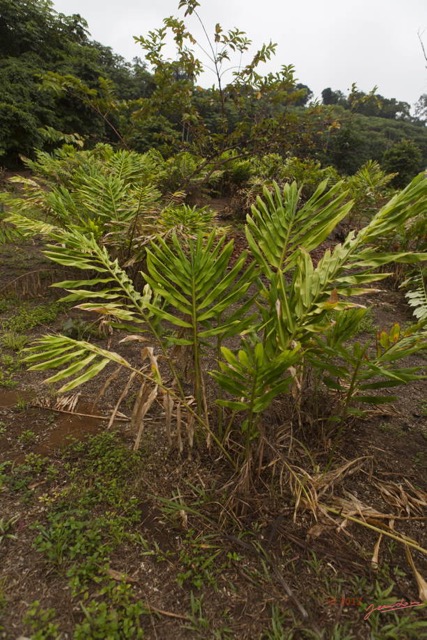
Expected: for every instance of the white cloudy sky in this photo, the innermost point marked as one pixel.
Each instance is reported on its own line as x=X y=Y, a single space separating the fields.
x=330 y=42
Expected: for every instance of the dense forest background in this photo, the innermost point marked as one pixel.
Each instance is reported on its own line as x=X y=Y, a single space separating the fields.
x=58 y=86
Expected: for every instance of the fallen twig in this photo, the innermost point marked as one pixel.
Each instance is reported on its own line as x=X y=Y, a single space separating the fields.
x=82 y=415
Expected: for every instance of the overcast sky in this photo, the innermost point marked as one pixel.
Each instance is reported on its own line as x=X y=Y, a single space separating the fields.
x=331 y=43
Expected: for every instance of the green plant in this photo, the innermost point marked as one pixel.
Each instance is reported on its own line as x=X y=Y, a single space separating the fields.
x=110 y=194
x=4 y=473
x=116 y=614
x=6 y=528
x=198 y=561
x=198 y=622
x=303 y=318
x=64 y=539
x=27 y=437
x=186 y=220
x=366 y=323
x=417 y=295
x=13 y=340
x=358 y=371
x=8 y=365
x=41 y=623
x=199 y=287
x=369 y=187
x=254 y=376
x=33 y=462
x=29 y=316
x=277 y=631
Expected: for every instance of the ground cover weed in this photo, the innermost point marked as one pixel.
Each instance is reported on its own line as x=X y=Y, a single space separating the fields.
x=40 y=622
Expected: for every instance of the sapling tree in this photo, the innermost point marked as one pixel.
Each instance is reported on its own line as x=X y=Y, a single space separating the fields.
x=240 y=100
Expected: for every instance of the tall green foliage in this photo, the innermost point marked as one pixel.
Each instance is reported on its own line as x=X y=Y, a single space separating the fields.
x=37 y=43
x=287 y=315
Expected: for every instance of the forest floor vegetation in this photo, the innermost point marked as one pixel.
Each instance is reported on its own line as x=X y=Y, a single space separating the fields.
x=99 y=541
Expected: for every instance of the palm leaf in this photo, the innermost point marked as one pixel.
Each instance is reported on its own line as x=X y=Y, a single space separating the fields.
x=278 y=226
x=79 y=360
x=417 y=296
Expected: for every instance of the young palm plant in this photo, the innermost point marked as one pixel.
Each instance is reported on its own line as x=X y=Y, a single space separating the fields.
x=195 y=297
x=193 y=289
x=302 y=305
x=203 y=294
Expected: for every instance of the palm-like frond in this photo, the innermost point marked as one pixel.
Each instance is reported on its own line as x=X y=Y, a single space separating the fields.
x=278 y=225
x=404 y=206
x=8 y=233
x=370 y=180
x=203 y=296
x=117 y=295
x=298 y=306
x=417 y=295
x=110 y=194
x=254 y=378
x=79 y=360
x=197 y=283
x=360 y=371
x=187 y=220
x=28 y=227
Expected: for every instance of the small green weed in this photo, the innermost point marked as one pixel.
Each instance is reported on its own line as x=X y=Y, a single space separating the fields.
x=67 y=537
x=397 y=626
x=79 y=329
x=8 y=361
x=36 y=464
x=6 y=381
x=198 y=622
x=27 y=437
x=388 y=428
x=8 y=366
x=367 y=323
x=423 y=409
x=6 y=528
x=117 y=619
x=40 y=622
x=13 y=340
x=277 y=630
x=198 y=558
x=73 y=537
x=27 y=317
x=102 y=456
x=21 y=475
x=6 y=304
x=4 y=473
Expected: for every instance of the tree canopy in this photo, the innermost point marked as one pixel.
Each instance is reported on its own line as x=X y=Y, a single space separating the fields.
x=57 y=85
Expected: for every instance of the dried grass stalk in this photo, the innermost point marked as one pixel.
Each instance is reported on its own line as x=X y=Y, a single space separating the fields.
x=178 y=427
x=120 y=400
x=168 y=405
x=421 y=583
x=105 y=386
x=143 y=407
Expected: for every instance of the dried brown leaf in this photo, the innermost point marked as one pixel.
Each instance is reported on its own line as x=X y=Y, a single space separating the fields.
x=141 y=413
x=375 y=556
x=119 y=576
x=123 y=395
x=421 y=583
